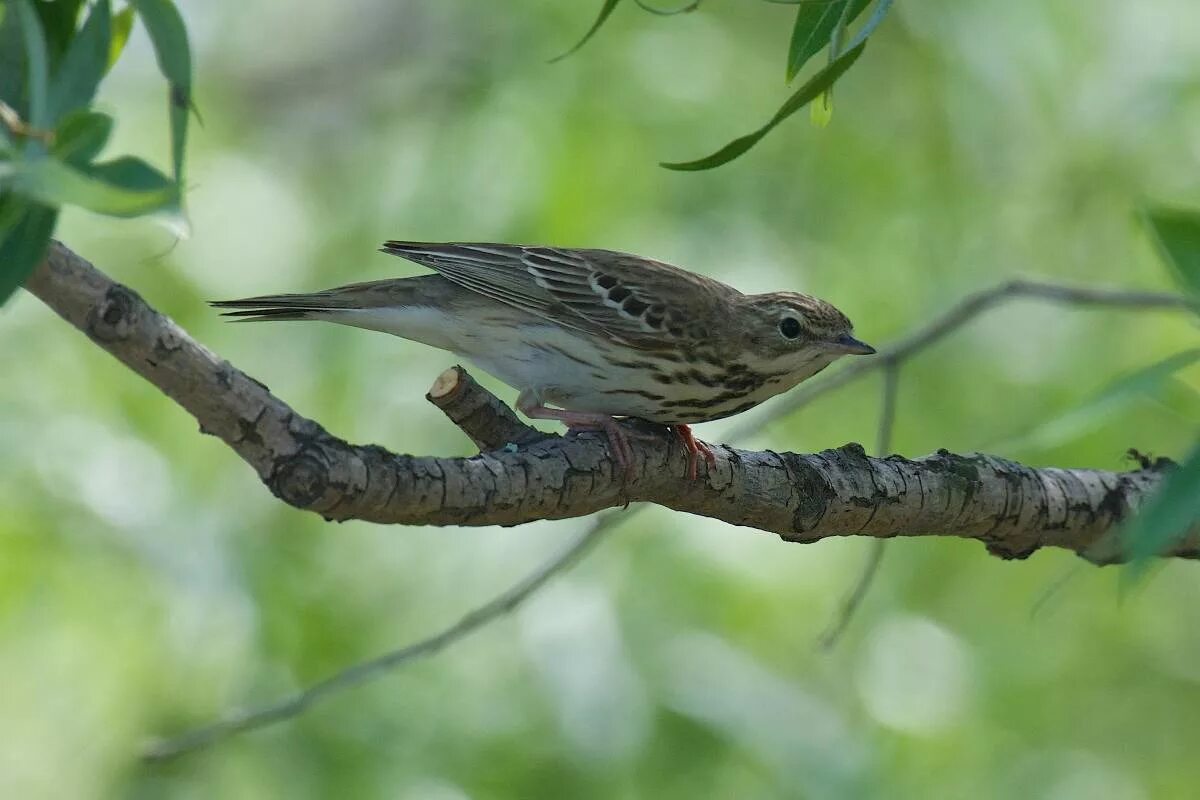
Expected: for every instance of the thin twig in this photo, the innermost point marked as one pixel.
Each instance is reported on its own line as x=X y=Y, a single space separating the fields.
x=365 y=671
x=12 y=120
x=887 y=409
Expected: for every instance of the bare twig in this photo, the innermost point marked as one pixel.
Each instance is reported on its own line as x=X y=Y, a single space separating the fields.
x=365 y=671
x=478 y=413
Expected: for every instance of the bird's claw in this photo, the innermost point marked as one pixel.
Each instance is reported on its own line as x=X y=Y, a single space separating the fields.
x=695 y=449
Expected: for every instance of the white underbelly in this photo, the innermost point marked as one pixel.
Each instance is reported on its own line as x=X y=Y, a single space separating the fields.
x=563 y=370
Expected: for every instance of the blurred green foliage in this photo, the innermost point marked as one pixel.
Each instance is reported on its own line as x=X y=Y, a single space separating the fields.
x=53 y=59
x=819 y=25
x=148 y=581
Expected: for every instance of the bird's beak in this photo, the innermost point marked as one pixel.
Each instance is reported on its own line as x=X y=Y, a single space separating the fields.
x=849 y=345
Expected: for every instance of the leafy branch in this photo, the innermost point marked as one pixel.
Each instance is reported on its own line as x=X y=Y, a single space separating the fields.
x=53 y=57
x=819 y=25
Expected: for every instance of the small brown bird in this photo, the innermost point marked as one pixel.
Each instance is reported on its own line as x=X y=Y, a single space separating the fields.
x=597 y=333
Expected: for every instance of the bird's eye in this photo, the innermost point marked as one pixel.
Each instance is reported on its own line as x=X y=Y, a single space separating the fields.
x=789 y=327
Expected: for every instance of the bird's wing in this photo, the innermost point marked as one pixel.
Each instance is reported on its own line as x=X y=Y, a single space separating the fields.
x=643 y=303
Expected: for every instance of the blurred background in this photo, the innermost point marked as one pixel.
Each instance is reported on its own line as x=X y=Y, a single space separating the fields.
x=148 y=582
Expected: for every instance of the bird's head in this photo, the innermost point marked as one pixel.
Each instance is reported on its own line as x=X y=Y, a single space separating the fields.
x=793 y=330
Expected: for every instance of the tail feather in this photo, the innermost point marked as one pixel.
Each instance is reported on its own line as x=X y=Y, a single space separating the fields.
x=273 y=314
x=276 y=307
x=318 y=305
x=412 y=308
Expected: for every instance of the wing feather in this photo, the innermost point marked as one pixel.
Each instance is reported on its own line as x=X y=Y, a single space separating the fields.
x=643 y=303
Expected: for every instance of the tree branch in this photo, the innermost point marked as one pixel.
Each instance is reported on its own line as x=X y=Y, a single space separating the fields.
x=1013 y=509
x=838 y=492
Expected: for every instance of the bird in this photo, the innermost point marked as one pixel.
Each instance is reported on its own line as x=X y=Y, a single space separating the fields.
x=586 y=336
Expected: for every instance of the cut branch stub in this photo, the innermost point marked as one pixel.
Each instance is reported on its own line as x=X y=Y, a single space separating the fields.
x=480 y=414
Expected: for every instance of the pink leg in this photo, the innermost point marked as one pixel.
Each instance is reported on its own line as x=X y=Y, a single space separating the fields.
x=695 y=448
x=618 y=440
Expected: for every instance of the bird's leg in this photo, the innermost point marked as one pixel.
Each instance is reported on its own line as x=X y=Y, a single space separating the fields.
x=622 y=452
x=695 y=448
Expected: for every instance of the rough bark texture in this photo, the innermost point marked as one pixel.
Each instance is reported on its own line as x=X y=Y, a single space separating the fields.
x=526 y=475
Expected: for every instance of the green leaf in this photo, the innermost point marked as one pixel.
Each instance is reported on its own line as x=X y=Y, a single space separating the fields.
x=122 y=24
x=815 y=23
x=35 y=63
x=12 y=61
x=821 y=110
x=1176 y=233
x=134 y=175
x=1117 y=396
x=125 y=187
x=804 y=95
x=81 y=136
x=22 y=244
x=1165 y=519
x=605 y=10
x=171 y=49
x=83 y=66
x=59 y=20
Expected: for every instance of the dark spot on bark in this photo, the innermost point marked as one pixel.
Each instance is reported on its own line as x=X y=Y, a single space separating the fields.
x=299 y=479
x=962 y=473
x=248 y=432
x=1114 y=503
x=813 y=490
x=1004 y=550
x=224 y=375
x=165 y=345
x=116 y=316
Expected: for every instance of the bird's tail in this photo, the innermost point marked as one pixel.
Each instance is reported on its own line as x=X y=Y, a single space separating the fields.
x=415 y=308
x=325 y=305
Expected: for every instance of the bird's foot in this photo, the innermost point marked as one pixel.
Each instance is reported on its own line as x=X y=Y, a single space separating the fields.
x=695 y=448
x=618 y=439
